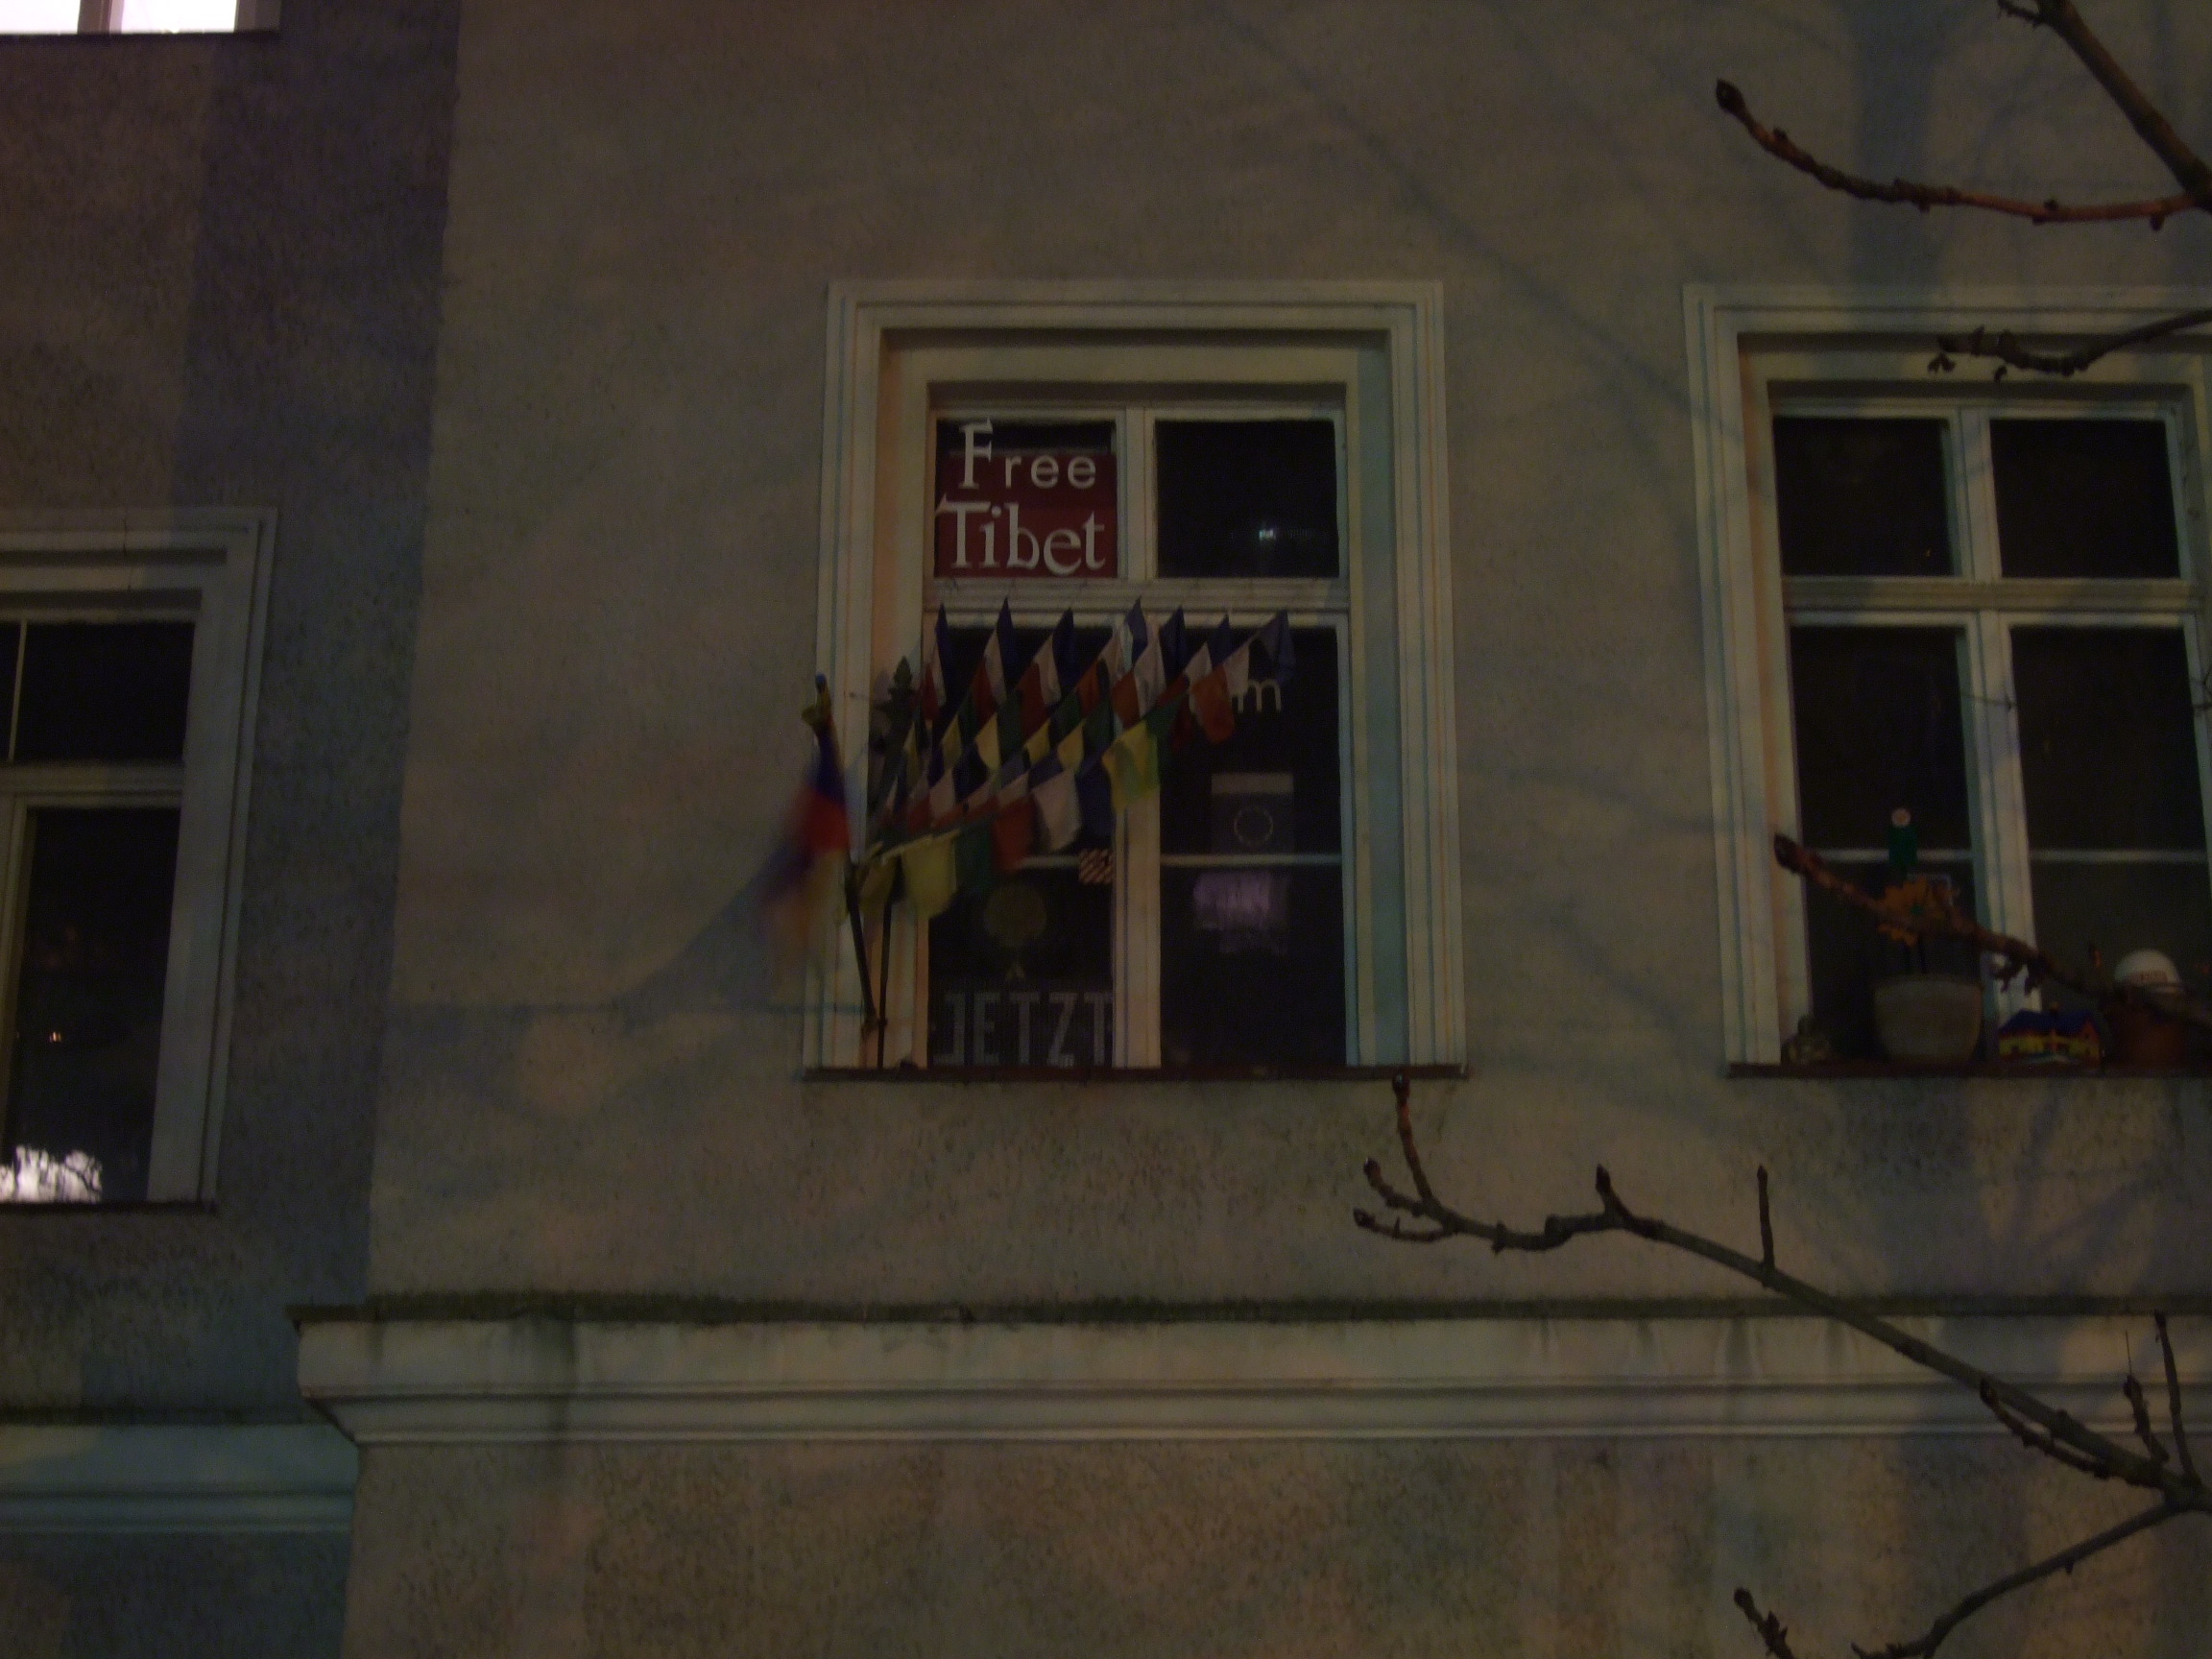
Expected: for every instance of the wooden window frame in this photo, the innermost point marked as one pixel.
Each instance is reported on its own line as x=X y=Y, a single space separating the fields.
x=212 y=569
x=1758 y=352
x=900 y=353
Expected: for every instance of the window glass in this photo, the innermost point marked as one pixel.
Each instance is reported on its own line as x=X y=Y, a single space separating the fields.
x=1252 y=965
x=87 y=1019
x=1877 y=714
x=1247 y=498
x=104 y=691
x=39 y=16
x=158 y=16
x=2083 y=498
x=2107 y=738
x=1861 y=497
x=1022 y=972
x=1272 y=786
x=1847 y=957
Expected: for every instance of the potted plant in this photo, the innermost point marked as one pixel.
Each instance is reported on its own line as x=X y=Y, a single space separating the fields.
x=1921 y=1016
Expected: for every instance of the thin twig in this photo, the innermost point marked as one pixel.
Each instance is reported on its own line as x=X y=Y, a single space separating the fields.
x=2017 y=955
x=1910 y=193
x=1765 y=1223
x=2140 y=1408
x=2066 y=1561
x=2006 y=348
x=2174 y=1400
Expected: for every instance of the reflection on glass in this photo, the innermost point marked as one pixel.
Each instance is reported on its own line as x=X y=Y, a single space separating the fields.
x=87 y=1034
x=1252 y=966
x=38 y=17
x=104 y=691
x=1861 y=497
x=1877 y=718
x=179 y=17
x=2083 y=498
x=1247 y=498
x=1021 y=973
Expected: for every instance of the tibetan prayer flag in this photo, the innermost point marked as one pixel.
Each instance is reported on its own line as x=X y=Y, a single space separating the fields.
x=1011 y=833
x=1151 y=676
x=1129 y=700
x=972 y=858
x=1059 y=816
x=1133 y=766
x=1174 y=644
x=807 y=864
x=930 y=695
x=1210 y=703
x=1095 y=796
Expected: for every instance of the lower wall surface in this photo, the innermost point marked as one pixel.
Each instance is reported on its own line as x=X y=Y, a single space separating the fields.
x=1566 y=1548
x=171 y=1595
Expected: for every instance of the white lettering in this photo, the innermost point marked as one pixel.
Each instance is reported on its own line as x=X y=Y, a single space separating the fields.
x=1044 y=472
x=1091 y=557
x=1100 y=1001
x=960 y=511
x=986 y=1003
x=1082 y=472
x=1013 y=535
x=1057 y=1055
x=1023 y=1002
x=1012 y=462
x=970 y=451
x=1052 y=545
x=990 y=544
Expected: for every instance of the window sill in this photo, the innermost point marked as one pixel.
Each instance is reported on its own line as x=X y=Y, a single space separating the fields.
x=2022 y=1069
x=1086 y=1074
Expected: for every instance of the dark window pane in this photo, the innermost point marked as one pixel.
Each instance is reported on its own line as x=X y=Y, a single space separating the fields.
x=104 y=691
x=2123 y=907
x=1021 y=973
x=1876 y=712
x=1252 y=966
x=1847 y=957
x=1861 y=497
x=2083 y=498
x=1247 y=498
x=2107 y=740
x=1280 y=765
x=88 y=1035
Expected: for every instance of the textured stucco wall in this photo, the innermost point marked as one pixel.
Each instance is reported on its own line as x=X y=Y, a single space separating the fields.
x=649 y=200
x=180 y=1595
x=1575 y=1549
x=220 y=288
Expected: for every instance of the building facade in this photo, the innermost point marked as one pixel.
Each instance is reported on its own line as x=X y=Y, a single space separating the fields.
x=545 y=397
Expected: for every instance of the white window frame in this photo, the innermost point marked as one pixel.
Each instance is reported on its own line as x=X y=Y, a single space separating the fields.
x=107 y=17
x=900 y=350
x=1841 y=351
x=212 y=569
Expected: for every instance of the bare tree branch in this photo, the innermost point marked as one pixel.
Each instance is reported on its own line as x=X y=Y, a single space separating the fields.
x=1771 y=1630
x=2141 y=1411
x=2041 y=1428
x=2150 y=125
x=1907 y=192
x=2066 y=1561
x=2010 y=353
x=2016 y=955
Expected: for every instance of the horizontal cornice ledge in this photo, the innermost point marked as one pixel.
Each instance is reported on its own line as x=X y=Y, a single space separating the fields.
x=175 y=1478
x=470 y=1381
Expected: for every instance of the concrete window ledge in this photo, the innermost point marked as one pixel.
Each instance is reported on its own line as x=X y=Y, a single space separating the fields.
x=392 y=1381
x=175 y=1478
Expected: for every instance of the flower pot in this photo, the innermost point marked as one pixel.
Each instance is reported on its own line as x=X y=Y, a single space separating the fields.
x=1929 y=1017
x=2141 y=1037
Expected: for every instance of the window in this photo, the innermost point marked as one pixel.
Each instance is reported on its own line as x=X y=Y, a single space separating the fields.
x=1185 y=471
x=126 y=663
x=1977 y=604
x=137 y=16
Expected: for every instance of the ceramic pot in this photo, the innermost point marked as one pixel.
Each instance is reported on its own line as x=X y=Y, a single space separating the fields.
x=2143 y=1037
x=1933 y=1018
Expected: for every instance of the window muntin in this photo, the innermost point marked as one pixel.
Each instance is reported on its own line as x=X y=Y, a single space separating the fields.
x=1220 y=953
x=2068 y=709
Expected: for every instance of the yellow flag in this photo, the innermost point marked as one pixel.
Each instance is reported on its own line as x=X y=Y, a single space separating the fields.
x=1131 y=766
x=930 y=879
x=1070 y=749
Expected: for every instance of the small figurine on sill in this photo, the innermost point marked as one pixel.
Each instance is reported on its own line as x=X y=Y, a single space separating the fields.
x=1810 y=1046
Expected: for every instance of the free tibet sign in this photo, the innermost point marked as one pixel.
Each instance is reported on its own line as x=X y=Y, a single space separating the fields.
x=1025 y=498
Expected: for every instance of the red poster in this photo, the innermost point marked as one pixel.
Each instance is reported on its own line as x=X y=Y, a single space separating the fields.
x=1021 y=499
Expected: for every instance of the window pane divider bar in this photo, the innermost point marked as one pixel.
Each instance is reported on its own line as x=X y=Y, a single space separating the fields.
x=1250 y=860
x=2140 y=596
